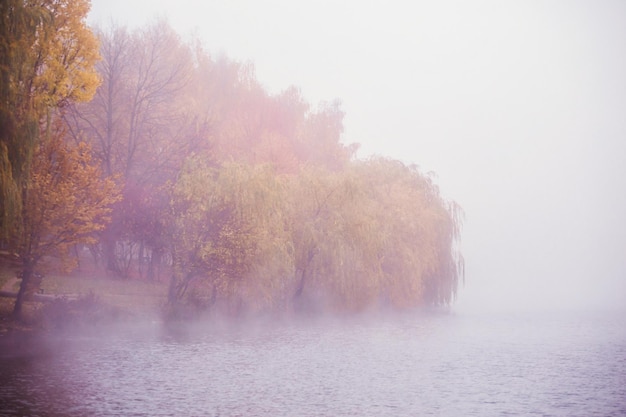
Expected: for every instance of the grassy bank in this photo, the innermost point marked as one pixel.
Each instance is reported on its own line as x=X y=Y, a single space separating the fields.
x=85 y=294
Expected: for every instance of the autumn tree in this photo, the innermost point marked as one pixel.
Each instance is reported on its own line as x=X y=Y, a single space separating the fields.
x=419 y=229
x=319 y=142
x=254 y=195
x=66 y=201
x=336 y=242
x=47 y=54
x=280 y=129
x=142 y=124
x=162 y=100
x=376 y=233
x=228 y=238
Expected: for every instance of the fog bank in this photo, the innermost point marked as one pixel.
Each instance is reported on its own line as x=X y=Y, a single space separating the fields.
x=518 y=108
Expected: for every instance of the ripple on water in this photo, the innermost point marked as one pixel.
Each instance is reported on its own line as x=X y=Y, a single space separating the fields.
x=444 y=365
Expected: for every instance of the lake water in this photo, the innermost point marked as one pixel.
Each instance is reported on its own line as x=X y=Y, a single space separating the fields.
x=408 y=364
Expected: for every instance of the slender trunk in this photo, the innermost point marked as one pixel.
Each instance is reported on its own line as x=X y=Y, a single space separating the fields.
x=171 y=293
x=300 y=286
x=141 y=259
x=77 y=251
x=178 y=286
x=155 y=259
x=108 y=251
x=175 y=280
x=303 y=274
x=213 y=295
x=126 y=260
x=27 y=274
x=182 y=286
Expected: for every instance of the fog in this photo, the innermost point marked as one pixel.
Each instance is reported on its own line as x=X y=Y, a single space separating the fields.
x=519 y=108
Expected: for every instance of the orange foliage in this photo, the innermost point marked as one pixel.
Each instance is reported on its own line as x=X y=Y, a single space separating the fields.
x=66 y=202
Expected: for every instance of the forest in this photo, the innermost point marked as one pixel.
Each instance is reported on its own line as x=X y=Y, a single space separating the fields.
x=159 y=161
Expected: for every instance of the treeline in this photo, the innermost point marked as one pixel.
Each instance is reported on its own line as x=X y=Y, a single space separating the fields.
x=161 y=101
x=374 y=234
x=245 y=201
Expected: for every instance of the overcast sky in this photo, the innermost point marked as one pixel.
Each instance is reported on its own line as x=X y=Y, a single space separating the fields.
x=519 y=107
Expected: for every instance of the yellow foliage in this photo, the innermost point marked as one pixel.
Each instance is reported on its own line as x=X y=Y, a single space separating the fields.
x=52 y=53
x=376 y=233
x=227 y=233
x=47 y=57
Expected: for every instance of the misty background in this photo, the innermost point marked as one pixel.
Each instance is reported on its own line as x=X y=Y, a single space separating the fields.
x=519 y=108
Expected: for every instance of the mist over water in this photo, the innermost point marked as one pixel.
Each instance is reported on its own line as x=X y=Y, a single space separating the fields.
x=520 y=112
x=400 y=364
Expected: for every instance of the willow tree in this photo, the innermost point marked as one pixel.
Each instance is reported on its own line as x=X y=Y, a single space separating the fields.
x=419 y=258
x=335 y=241
x=228 y=237
x=47 y=57
x=376 y=233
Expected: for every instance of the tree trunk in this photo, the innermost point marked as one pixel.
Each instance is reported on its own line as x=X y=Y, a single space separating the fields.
x=108 y=240
x=155 y=264
x=178 y=287
x=303 y=273
x=27 y=273
x=301 y=282
x=110 y=257
x=141 y=259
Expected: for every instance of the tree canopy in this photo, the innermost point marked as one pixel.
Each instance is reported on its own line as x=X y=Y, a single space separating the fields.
x=66 y=201
x=183 y=165
x=47 y=57
x=376 y=234
x=52 y=197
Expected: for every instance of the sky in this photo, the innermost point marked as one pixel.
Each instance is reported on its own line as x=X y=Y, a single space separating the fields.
x=517 y=107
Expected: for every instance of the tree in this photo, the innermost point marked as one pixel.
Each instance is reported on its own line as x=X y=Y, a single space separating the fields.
x=229 y=236
x=142 y=124
x=320 y=140
x=374 y=233
x=418 y=257
x=336 y=240
x=47 y=54
x=209 y=241
x=66 y=201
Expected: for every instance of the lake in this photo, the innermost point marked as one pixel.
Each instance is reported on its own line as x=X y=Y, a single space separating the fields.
x=426 y=364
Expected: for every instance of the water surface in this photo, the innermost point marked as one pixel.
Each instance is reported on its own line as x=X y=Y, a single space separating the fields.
x=410 y=364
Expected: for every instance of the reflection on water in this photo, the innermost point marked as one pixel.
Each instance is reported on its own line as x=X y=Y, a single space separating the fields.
x=443 y=365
